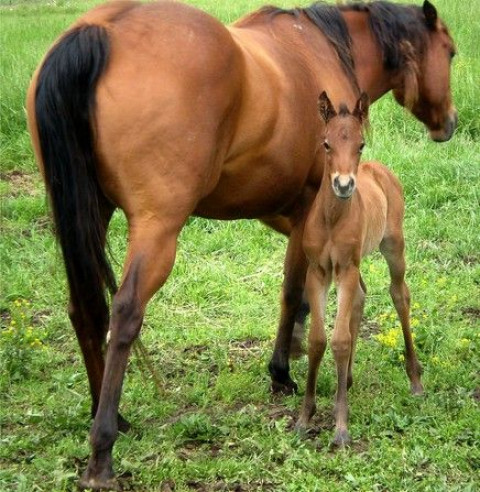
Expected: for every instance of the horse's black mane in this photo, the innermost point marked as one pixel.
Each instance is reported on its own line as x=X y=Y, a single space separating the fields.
x=392 y=25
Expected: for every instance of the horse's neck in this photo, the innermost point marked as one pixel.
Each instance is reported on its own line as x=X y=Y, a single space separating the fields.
x=372 y=77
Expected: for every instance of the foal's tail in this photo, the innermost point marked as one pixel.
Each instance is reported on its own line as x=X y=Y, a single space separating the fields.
x=64 y=115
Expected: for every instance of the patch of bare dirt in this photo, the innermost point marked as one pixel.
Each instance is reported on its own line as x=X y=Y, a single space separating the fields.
x=195 y=349
x=470 y=260
x=241 y=349
x=247 y=344
x=221 y=486
x=368 y=329
x=191 y=448
x=476 y=394
x=5 y=317
x=40 y=317
x=21 y=183
x=168 y=486
x=471 y=312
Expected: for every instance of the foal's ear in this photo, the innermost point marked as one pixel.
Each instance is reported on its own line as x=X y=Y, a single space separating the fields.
x=325 y=107
x=361 y=108
x=430 y=13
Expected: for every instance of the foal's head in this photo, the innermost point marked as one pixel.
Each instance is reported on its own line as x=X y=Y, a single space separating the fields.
x=343 y=142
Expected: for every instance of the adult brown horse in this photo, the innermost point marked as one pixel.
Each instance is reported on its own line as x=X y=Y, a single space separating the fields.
x=162 y=111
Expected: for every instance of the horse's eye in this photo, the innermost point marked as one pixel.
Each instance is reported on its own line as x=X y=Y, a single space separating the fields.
x=327 y=146
x=362 y=146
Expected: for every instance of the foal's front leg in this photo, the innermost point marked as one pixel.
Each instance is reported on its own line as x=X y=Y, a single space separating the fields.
x=347 y=285
x=317 y=284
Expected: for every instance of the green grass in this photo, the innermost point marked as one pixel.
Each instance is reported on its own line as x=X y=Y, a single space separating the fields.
x=209 y=331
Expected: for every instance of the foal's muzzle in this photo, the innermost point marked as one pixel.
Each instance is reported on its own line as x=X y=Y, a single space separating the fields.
x=343 y=186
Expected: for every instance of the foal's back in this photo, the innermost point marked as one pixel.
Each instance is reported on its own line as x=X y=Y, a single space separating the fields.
x=383 y=204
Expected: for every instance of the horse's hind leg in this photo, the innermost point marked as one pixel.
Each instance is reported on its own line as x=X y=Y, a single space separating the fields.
x=150 y=257
x=393 y=249
x=90 y=329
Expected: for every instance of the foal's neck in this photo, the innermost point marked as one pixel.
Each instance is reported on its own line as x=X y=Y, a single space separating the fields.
x=333 y=209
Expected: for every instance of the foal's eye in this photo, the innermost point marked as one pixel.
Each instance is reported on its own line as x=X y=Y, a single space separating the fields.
x=327 y=146
x=360 y=149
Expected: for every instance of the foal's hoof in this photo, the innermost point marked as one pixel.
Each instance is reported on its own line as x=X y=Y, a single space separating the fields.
x=341 y=440
x=288 y=387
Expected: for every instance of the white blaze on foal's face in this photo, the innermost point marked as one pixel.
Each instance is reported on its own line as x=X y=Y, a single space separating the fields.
x=343 y=143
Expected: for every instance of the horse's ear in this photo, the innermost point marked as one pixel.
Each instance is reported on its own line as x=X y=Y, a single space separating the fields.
x=325 y=107
x=430 y=13
x=361 y=108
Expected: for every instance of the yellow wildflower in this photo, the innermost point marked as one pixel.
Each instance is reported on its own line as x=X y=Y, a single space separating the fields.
x=390 y=338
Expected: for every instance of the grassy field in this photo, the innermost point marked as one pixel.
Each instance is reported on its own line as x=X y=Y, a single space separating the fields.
x=209 y=331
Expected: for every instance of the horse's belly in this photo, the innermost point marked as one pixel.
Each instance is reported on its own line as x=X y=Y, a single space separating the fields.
x=254 y=189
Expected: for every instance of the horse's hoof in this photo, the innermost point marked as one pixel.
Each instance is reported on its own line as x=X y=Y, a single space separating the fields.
x=99 y=475
x=301 y=430
x=289 y=387
x=91 y=483
x=341 y=440
x=123 y=424
x=417 y=389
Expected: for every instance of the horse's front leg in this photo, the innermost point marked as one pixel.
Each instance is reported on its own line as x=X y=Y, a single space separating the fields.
x=347 y=285
x=284 y=226
x=292 y=292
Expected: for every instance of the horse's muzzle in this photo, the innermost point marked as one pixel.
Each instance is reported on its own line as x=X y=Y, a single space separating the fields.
x=448 y=130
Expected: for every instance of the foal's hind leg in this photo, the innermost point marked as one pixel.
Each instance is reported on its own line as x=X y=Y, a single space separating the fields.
x=150 y=257
x=393 y=249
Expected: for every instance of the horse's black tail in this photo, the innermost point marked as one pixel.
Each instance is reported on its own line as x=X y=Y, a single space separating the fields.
x=64 y=113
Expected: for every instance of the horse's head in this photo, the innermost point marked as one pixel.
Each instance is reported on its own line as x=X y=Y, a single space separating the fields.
x=424 y=81
x=343 y=142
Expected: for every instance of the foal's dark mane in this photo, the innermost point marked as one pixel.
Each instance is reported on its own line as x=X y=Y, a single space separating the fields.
x=393 y=25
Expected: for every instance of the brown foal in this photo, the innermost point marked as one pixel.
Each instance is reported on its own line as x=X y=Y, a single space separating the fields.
x=358 y=208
